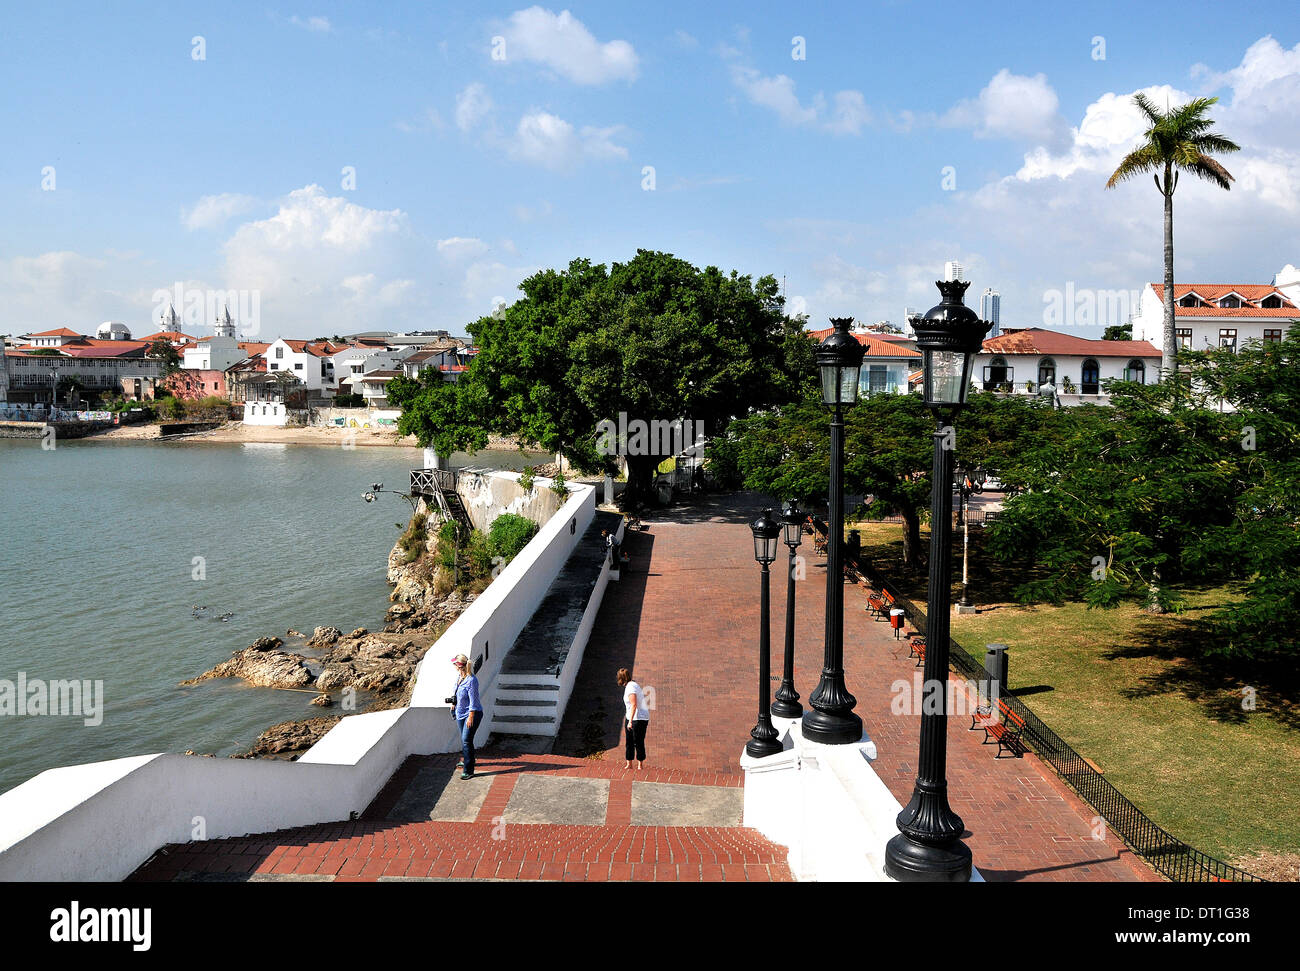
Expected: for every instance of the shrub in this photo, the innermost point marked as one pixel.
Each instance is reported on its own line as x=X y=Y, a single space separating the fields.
x=558 y=486
x=526 y=478
x=478 y=555
x=509 y=534
x=413 y=540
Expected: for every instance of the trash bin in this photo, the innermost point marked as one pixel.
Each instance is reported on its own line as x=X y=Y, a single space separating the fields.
x=995 y=666
x=896 y=620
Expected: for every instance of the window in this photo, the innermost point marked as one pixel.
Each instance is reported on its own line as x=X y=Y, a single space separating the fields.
x=1136 y=372
x=279 y=353
x=1185 y=337
x=996 y=374
x=1191 y=300
x=1228 y=338
x=1090 y=377
x=1230 y=301
x=1271 y=301
x=1046 y=371
x=1272 y=335
x=877 y=378
x=273 y=366
x=298 y=366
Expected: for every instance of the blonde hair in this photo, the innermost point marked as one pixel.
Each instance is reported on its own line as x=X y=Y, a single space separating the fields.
x=463 y=663
x=624 y=676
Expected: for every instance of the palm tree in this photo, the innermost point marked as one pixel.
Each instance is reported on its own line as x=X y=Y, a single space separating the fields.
x=1178 y=140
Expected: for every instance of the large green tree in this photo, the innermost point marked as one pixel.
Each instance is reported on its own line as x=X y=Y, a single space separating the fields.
x=1179 y=140
x=651 y=340
x=1142 y=500
x=888 y=450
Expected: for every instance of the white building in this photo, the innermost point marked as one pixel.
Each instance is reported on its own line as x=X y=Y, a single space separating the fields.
x=952 y=270
x=1034 y=360
x=219 y=352
x=310 y=362
x=1222 y=314
x=886 y=364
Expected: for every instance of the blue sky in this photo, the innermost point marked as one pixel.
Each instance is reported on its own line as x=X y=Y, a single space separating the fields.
x=908 y=134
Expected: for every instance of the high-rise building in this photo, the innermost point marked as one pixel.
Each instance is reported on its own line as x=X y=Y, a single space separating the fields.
x=952 y=270
x=991 y=309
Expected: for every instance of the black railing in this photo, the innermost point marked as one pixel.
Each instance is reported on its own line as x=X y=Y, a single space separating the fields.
x=1165 y=853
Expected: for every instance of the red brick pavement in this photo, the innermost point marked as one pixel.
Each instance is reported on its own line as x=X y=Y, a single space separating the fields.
x=685 y=619
x=374 y=848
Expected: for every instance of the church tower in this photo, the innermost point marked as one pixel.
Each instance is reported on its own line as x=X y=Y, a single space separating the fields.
x=225 y=326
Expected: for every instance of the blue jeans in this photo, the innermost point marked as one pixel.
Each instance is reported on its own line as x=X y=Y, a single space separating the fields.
x=467 y=734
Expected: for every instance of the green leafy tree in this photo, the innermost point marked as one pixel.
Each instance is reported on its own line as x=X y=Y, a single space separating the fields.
x=653 y=339
x=1179 y=140
x=436 y=412
x=163 y=352
x=888 y=451
x=1118 y=332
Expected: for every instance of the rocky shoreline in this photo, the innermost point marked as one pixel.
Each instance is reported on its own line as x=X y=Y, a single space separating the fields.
x=380 y=666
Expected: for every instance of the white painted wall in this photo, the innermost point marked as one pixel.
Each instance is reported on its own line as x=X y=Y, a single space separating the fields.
x=265 y=413
x=102 y=820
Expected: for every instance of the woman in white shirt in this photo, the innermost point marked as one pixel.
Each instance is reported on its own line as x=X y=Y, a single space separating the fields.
x=636 y=719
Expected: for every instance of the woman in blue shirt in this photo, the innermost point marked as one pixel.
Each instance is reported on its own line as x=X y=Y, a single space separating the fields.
x=469 y=712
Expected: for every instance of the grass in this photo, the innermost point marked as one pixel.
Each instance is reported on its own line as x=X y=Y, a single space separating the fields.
x=1132 y=692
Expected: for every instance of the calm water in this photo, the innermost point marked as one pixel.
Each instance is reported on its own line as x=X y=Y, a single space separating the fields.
x=97 y=581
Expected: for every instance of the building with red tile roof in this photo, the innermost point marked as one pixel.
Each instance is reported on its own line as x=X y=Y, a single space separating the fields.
x=1222 y=314
x=885 y=363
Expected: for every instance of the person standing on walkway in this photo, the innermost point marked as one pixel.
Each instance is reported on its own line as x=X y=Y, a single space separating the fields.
x=469 y=712
x=636 y=719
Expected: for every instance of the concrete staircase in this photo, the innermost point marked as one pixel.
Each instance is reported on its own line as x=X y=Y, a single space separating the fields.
x=526 y=704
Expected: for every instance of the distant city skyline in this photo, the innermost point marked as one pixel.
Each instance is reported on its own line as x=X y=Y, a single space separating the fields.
x=397 y=168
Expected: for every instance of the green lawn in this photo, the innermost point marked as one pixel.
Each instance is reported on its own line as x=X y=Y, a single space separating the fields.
x=1126 y=689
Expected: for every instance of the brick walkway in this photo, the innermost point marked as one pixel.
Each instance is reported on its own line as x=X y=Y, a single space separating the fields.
x=685 y=619
x=383 y=845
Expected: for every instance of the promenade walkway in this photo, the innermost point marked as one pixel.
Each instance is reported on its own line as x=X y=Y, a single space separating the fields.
x=685 y=619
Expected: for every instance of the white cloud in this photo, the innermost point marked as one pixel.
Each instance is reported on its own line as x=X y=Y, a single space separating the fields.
x=212 y=211
x=548 y=140
x=461 y=247
x=431 y=120
x=685 y=39
x=317 y=25
x=1011 y=106
x=473 y=104
x=847 y=114
x=561 y=43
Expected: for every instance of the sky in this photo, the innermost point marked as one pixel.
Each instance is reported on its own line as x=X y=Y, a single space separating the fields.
x=329 y=168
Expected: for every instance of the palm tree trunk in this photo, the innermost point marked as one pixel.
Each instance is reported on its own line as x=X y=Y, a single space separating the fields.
x=1169 y=348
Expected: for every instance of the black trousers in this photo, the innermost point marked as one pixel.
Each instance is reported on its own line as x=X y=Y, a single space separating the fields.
x=635 y=740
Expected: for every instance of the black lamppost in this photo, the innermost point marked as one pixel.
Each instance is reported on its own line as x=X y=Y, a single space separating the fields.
x=832 y=720
x=787 y=704
x=969 y=482
x=763 y=740
x=929 y=847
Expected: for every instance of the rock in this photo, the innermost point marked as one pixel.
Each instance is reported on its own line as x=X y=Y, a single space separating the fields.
x=324 y=636
x=294 y=633
x=266 y=644
x=359 y=632
x=323 y=701
x=262 y=668
x=291 y=736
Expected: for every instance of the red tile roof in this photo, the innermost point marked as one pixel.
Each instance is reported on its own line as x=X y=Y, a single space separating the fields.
x=1252 y=293
x=1036 y=340
x=171 y=336
x=874 y=345
x=61 y=332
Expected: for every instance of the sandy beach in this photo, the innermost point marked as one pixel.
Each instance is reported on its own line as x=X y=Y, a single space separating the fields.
x=238 y=433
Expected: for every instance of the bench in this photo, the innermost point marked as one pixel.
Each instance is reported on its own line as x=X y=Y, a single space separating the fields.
x=918 y=650
x=879 y=604
x=1006 y=728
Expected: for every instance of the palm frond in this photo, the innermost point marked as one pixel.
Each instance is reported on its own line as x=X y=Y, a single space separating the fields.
x=1154 y=115
x=1215 y=143
x=1211 y=171
x=1144 y=159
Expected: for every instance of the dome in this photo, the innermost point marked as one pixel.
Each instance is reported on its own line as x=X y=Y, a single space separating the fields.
x=113 y=330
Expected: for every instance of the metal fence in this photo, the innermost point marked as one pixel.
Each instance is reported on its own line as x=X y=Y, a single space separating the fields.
x=1167 y=854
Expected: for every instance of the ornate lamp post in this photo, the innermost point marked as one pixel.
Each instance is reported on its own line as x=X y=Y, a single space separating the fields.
x=929 y=847
x=969 y=482
x=787 y=704
x=832 y=720
x=763 y=740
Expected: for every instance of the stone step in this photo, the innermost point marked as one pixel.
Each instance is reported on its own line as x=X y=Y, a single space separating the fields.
x=526 y=686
